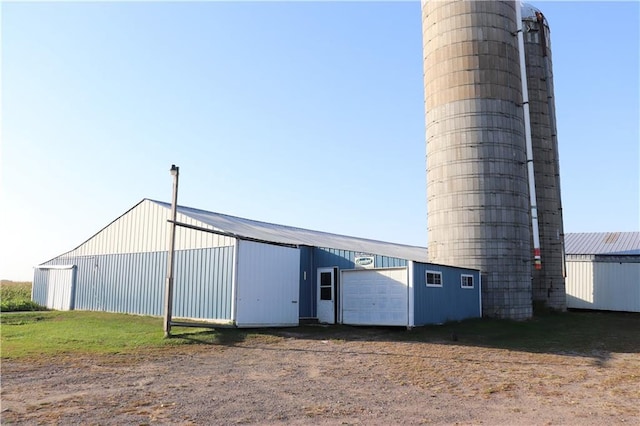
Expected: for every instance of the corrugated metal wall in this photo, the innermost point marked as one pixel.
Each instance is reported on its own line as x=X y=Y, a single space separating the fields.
x=145 y=229
x=39 y=286
x=128 y=283
x=345 y=259
x=134 y=282
x=579 y=284
x=611 y=286
x=204 y=283
x=451 y=302
x=122 y=268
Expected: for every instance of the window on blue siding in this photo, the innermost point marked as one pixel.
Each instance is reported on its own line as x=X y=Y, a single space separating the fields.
x=434 y=279
x=466 y=281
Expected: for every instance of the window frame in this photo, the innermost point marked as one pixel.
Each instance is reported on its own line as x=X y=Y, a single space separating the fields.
x=323 y=287
x=462 y=277
x=436 y=273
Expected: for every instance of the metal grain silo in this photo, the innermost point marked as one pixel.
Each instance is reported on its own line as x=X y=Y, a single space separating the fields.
x=477 y=186
x=548 y=286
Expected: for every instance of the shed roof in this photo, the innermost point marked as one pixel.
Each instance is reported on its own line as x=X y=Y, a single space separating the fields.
x=611 y=243
x=283 y=234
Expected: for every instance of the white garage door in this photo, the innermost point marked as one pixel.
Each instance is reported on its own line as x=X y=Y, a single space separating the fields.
x=374 y=296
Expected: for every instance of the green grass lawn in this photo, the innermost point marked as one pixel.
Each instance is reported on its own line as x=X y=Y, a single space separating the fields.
x=49 y=333
x=29 y=334
x=52 y=333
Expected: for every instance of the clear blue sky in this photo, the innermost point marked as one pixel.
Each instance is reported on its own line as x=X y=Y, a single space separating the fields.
x=305 y=114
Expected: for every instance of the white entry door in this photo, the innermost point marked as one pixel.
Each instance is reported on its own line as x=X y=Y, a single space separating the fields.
x=327 y=295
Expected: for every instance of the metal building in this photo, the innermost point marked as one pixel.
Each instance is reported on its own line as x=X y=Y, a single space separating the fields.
x=548 y=285
x=477 y=185
x=245 y=273
x=603 y=271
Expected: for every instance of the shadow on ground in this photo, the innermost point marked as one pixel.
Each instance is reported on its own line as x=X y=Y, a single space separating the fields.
x=576 y=333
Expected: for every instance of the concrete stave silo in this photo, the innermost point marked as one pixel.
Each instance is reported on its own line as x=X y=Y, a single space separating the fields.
x=477 y=186
x=548 y=286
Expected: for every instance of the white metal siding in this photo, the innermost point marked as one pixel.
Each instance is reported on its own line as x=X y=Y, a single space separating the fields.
x=267 y=285
x=375 y=296
x=579 y=284
x=611 y=286
x=145 y=229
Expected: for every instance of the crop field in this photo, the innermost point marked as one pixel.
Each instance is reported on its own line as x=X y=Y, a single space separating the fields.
x=16 y=296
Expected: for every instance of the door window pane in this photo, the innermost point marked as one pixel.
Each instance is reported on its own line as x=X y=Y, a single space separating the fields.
x=325 y=293
x=325 y=279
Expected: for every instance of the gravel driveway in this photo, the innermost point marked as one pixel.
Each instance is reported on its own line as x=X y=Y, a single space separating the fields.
x=299 y=378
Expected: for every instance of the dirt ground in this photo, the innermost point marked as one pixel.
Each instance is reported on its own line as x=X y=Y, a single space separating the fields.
x=299 y=378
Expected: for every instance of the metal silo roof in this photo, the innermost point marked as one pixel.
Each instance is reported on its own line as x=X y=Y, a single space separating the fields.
x=270 y=232
x=613 y=243
x=529 y=12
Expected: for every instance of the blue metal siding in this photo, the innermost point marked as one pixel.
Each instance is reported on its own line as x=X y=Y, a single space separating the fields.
x=342 y=259
x=451 y=302
x=345 y=259
x=134 y=283
x=307 y=288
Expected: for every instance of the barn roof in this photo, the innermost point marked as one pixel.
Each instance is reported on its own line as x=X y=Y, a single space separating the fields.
x=611 y=243
x=283 y=234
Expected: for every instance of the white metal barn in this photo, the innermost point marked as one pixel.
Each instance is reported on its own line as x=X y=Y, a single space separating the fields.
x=603 y=271
x=246 y=273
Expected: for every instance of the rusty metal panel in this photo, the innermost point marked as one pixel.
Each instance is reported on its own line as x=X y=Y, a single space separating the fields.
x=613 y=243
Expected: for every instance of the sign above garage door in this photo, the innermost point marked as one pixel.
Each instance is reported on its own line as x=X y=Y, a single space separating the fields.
x=365 y=260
